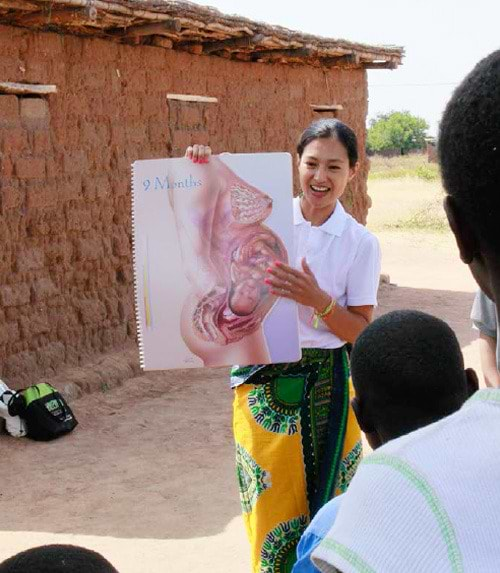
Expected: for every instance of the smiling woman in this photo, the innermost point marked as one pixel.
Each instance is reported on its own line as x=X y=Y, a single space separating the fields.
x=297 y=441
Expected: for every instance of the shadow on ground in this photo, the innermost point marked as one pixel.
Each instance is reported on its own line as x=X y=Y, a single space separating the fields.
x=154 y=458
x=150 y=459
x=451 y=306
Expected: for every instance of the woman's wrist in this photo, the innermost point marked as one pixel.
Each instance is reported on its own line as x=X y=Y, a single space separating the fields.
x=322 y=312
x=322 y=302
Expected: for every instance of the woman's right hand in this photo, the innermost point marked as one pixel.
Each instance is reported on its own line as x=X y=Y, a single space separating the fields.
x=198 y=153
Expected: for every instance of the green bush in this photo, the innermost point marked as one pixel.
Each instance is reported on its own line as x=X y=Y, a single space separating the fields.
x=397 y=130
x=428 y=172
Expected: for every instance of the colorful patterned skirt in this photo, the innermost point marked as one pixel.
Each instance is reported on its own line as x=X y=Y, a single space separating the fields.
x=297 y=445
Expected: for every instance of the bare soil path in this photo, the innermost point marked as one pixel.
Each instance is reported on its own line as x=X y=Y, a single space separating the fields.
x=148 y=476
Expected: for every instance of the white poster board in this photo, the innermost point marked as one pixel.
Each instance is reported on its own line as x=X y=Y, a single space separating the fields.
x=204 y=235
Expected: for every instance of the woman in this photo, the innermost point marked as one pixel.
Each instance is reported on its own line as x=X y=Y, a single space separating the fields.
x=297 y=440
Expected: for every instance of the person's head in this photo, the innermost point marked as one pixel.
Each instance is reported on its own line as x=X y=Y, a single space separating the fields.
x=327 y=156
x=469 y=154
x=57 y=559
x=407 y=371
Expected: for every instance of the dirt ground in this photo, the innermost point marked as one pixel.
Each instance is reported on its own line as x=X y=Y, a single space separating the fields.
x=148 y=476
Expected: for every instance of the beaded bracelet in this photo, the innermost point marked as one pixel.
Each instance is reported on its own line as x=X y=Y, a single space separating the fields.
x=317 y=315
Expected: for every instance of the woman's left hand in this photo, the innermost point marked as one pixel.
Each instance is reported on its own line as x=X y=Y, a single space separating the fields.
x=300 y=286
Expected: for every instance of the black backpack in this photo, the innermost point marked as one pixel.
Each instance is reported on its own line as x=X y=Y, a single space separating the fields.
x=45 y=411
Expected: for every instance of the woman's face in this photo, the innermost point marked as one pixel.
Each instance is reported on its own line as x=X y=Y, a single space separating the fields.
x=324 y=172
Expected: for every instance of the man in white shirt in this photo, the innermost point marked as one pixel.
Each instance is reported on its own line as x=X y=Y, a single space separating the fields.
x=430 y=501
x=484 y=319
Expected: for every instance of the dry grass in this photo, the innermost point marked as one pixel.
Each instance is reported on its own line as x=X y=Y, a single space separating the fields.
x=406 y=204
x=404 y=166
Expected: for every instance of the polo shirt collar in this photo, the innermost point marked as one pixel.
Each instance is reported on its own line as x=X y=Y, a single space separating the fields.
x=334 y=225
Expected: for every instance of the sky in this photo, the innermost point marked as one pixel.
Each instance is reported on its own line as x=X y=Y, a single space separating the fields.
x=443 y=39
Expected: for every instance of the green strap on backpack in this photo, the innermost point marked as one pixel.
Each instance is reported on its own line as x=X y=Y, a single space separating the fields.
x=45 y=411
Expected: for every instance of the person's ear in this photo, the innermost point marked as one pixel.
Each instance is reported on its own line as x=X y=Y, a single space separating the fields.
x=464 y=235
x=364 y=419
x=472 y=381
x=353 y=171
x=297 y=158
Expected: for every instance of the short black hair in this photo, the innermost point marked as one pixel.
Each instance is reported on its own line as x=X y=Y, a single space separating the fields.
x=325 y=128
x=469 y=148
x=408 y=368
x=57 y=559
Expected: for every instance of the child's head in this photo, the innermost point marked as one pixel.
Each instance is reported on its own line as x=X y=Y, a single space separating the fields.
x=57 y=559
x=469 y=153
x=408 y=371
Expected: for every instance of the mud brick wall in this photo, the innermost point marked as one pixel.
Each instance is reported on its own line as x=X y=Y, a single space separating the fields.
x=66 y=282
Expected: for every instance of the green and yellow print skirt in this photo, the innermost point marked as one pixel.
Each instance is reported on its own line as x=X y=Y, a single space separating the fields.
x=297 y=445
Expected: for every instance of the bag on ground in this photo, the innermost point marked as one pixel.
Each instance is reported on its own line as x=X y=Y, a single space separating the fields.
x=45 y=411
x=14 y=425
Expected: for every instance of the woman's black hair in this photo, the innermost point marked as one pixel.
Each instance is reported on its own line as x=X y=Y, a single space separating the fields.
x=325 y=128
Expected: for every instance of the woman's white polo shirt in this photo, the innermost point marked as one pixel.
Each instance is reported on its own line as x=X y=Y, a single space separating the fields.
x=345 y=258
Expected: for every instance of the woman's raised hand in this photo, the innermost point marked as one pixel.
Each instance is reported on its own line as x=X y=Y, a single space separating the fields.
x=300 y=286
x=198 y=153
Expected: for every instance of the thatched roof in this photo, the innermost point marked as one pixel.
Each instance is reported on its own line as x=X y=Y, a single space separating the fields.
x=193 y=28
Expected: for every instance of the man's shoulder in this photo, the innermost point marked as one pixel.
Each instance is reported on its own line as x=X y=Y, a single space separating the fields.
x=324 y=519
x=431 y=445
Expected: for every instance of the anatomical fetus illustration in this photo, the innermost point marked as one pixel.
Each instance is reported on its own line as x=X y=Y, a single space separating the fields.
x=226 y=249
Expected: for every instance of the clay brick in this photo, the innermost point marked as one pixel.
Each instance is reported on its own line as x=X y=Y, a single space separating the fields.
x=78 y=220
x=6 y=167
x=126 y=310
x=134 y=106
x=43 y=289
x=75 y=162
x=34 y=324
x=30 y=168
x=41 y=195
x=34 y=111
x=52 y=168
x=13 y=140
x=51 y=356
x=41 y=142
x=30 y=260
x=19 y=364
x=9 y=110
x=36 y=70
x=13 y=331
x=155 y=106
x=70 y=189
x=14 y=295
x=121 y=245
x=88 y=249
x=91 y=311
x=4 y=335
x=11 y=197
x=136 y=134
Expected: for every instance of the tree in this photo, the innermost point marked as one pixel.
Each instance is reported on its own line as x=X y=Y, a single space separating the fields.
x=397 y=130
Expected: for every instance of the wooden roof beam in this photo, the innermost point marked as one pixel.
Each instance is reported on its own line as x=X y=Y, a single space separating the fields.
x=48 y=17
x=233 y=43
x=321 y=108
x=388 y=65
x=347 y=59
x=27 y=89
x=191 y=47
x=162 y=42
x=167 y=27
x=294 y=53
